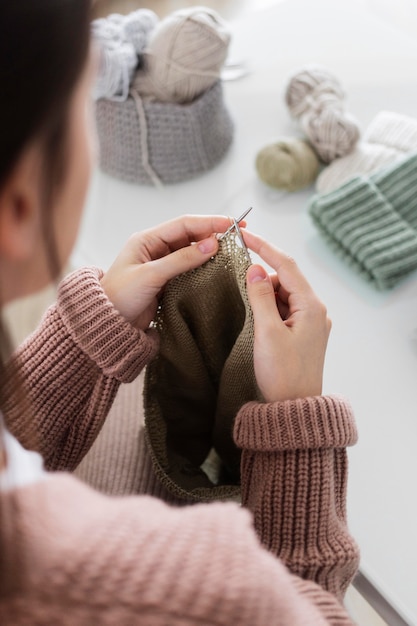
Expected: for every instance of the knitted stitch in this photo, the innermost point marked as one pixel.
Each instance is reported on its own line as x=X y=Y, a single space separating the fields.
x=371 y=222
x=205 y=321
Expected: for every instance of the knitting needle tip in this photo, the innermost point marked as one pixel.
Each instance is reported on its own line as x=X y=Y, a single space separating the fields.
x=242 y=217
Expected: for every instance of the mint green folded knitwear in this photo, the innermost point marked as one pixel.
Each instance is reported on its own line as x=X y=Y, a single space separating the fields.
x=371 y=222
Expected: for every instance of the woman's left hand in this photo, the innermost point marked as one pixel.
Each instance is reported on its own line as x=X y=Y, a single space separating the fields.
x=152 y=257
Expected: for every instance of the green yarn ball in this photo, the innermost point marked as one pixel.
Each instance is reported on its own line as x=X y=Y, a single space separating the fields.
x=289 y=164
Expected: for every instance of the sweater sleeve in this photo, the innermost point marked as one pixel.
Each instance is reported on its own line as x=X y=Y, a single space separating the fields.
x=71 y=368
x=294 y=479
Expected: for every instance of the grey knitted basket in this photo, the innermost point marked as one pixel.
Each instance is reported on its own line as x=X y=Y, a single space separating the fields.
x=179 y=141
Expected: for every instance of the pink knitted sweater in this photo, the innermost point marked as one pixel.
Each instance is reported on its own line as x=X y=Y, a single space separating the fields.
x=91 y=558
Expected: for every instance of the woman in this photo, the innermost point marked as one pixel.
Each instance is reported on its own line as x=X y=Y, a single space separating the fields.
x=68 y=554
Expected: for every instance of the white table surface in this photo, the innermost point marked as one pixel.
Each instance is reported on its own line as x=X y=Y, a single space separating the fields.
x=372 y=353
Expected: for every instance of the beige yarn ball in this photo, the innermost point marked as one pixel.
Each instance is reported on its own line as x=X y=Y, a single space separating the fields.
x=310 y=84
x=332 y=132
x=184 y=56
x=315 y=97
x=289 y=164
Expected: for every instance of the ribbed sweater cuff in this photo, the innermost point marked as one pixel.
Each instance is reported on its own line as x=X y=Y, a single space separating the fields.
x=99 y=330
x=307 y=423
x=368 y=227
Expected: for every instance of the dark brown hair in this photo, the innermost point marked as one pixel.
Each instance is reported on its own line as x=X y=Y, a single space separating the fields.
x=44 y=48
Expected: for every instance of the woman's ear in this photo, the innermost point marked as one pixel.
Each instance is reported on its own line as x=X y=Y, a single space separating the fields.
x=20 y=208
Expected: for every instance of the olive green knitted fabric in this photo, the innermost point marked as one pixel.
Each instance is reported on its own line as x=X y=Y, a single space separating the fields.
x=201 y=377
x=371 y=222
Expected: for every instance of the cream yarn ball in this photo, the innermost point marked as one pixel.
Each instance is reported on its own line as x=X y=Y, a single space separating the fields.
x=333 y=132
x=289 y=164
x=315 y=97
x=184 y=56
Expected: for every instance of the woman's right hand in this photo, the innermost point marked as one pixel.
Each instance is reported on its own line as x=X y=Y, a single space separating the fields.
x=290 y=324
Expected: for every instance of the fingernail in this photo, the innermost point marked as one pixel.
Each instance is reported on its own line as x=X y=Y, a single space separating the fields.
x=256 y=273
x=207 y=245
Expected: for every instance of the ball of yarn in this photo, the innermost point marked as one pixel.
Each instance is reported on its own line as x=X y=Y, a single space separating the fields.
x=184 y=56
x=310 y=86
x=315 y=97
x=136 y=28
x=332 y=132
x=289 y=164
x=121 y=39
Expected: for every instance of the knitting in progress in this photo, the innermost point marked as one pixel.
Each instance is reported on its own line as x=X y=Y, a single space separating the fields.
x=371 y=222
x=201 y=377
x=388 y=138
x=289 y=164
x=314 y=96
x=160 y=112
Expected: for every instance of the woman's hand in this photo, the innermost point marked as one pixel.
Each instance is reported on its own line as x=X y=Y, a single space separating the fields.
x=290 y=324
x=151 y=258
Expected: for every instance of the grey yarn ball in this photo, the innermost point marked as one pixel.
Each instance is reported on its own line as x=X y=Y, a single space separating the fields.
x=121 y=40
x=137 y=27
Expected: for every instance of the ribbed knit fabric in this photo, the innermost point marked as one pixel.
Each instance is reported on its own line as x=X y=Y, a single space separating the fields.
x=78 y=557
x=73 y=366
x=371 y=222
x=393 y=130
x=289 y=459
x=388 y=138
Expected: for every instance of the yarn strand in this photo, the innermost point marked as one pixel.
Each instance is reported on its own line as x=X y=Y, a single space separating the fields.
x=144 y=139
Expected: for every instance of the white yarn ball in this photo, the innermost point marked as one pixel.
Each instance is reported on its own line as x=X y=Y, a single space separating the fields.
x=137 y=27
x=121 y=39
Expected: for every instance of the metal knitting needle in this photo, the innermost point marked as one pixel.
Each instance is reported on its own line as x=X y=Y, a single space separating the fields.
x=239 y=234
x=235 y=223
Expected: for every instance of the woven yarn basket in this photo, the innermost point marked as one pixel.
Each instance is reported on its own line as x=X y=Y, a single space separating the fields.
x=182 y=140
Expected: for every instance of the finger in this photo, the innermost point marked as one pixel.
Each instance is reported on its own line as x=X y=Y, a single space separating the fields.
x=283 y=307
x=281 y=297
x=161 y=270
x=180 y=232
x=261 y=296
x=290 y=278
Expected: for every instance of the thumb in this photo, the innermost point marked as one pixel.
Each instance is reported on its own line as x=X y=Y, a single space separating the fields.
x=182 y=260
x=261 y=293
